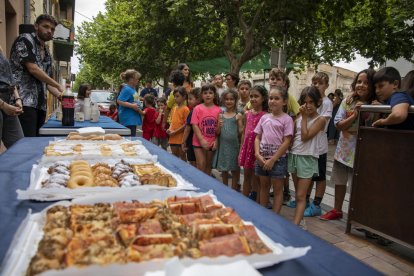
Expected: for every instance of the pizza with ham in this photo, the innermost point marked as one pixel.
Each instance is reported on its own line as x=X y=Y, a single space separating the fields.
x=122 y=232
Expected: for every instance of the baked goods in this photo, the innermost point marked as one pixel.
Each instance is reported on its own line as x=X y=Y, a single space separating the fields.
x=93 y=137
x=149 y=174
x=78 y=179
x=122 y=232
x=102 y=175
x=121 y=149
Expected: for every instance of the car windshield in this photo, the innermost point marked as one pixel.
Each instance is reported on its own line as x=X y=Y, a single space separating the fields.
x=102 y=97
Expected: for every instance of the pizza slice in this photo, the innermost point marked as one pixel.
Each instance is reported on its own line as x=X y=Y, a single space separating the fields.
x=229 y=245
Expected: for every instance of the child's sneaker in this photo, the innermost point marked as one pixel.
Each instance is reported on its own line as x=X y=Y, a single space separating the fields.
x=312 y=211
x=331 y=215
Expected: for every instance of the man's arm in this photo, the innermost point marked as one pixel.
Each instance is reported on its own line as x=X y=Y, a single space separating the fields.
x=42 y=76
x=398 y=115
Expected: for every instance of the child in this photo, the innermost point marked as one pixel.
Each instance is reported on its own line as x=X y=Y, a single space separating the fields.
x=128 y=111
x=178 y=122
x=204 y=121
x=230 y=124
x=274 y=134
x=303 y=158
x=187 y=142
x=259 y=102
x=244 y=91
x=149 y=113
x=160 y=135
x=346 y=120
x=321 y=81
x=113 y=112
x=387 y=83
x=278 y=77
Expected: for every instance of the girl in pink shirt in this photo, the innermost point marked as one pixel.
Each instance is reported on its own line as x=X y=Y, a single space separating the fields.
x=204 y=122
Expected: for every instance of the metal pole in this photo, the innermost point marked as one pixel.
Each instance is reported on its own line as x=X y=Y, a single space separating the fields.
x=26 y=11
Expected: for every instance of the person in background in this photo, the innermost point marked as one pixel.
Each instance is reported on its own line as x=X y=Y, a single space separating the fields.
x=148 y=90
x=178 y=122
x=84 y=91
x=331 y=96
x=188 y=82
x=407 y=83
x=10 y=105
x=243 y=88
x=333 y=133
x=31 y=64
x=387 y=83
x=218 y=83
x=346 y=120
x=160 y=134
x=177 y=78
x=113 y=112
x=232 y=80
x=128 y=111
x=187 y=142
x=150 y=115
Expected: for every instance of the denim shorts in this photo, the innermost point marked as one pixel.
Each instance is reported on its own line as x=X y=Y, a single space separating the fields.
x=279 y=169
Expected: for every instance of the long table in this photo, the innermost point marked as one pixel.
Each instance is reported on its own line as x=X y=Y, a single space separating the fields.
x=322 y=259
x=54 y=127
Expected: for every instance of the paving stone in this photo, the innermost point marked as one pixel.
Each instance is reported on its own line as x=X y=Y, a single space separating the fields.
x=383 y=267
x=327 y=236
x=405 y=266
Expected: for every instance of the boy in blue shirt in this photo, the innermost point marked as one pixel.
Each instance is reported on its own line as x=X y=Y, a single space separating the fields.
x=387 y=82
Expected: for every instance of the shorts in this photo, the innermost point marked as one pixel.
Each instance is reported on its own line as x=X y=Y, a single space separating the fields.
x=304 y=166
x=322 y=168
x=341 y=173
x=278 y=171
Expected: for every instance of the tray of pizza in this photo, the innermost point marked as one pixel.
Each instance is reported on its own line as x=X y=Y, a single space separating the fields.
x=69 y=150
x=69 y=179
x=136 y=234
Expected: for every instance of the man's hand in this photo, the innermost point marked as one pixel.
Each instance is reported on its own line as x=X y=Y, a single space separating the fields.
x=11 y=110
x=377 y=123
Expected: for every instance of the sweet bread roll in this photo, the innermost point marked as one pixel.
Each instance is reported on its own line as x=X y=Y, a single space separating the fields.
x=112 y=137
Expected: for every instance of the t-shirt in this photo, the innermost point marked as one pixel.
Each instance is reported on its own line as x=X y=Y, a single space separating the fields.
x=178 y=119
x=148 y=124
x=206 y=118
x=399 y=98
x=345 y=150
x=159 y=131
x=146 y=91
x=128 y=116
x=309 y=147
x=325 y=110
x=292 y=106
x=273 y=130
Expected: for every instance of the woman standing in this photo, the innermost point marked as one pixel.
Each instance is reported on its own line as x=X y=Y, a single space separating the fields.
x=333 y=133
x=129 y=110
x=84 y=91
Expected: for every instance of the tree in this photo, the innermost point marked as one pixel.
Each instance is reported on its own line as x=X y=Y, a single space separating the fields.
x=88 y=75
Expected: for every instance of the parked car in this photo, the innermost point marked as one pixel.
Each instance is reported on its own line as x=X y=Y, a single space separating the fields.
x=104 y=99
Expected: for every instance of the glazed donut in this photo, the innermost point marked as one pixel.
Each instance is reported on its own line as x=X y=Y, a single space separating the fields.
x=84 y=173
x=79 y=162
x=79 y=181
x=83 y=169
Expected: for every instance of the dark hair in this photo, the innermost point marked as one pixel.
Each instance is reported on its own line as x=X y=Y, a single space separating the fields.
x=407 y=83
x=82 y=91
x=162 y=100
x=177 y=78
x=112 y=106
x=389 y=74
x=231 y=91
x=234 y=77
x=211 y=87
x=339 y=94
x=262 y=91
x=311 y=92
x=321 y=76
x=196 y=92
x=180 y=90
x=46 y=17
x=148 y=81
x=331 y=95
x=371 y=89
x=149 y=99
x=244 y=82
x=181 y=67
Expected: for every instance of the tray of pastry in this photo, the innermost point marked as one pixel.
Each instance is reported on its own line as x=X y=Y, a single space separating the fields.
x=77 y=178
x=89 y=235
x=66 y=150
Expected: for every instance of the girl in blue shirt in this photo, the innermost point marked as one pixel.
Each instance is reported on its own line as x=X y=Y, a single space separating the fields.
x=128 y=109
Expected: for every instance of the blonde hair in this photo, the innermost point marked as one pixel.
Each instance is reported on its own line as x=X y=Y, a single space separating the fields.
x=129 y=74
x=321 y=76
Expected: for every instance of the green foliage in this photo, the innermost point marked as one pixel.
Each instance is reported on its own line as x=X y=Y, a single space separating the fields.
x=88 y=75
x=152 y=36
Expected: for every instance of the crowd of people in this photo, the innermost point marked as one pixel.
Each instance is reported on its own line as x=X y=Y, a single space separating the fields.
x=267 y=132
